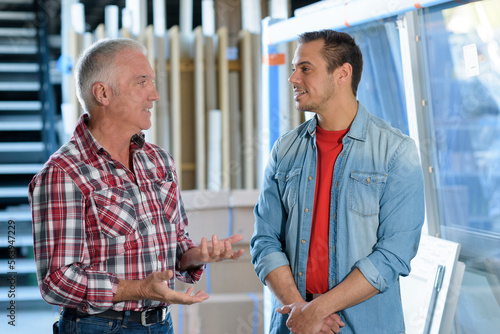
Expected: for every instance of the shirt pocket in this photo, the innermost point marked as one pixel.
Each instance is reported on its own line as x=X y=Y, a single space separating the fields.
x=115 y=211
x=288 y=184
x=167 y=194
x=365 y=192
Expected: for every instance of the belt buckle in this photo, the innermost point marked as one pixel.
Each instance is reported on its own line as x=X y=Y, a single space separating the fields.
x=144 y=315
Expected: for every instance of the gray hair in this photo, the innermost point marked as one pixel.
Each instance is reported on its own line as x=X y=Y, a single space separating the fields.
x=97 y=64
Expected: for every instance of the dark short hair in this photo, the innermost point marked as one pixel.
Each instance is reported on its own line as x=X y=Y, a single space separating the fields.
x=339 y=48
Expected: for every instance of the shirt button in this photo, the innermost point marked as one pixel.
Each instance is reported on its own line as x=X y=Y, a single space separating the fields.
x=300 y=273
x=314 y=147
x=334 y=216
x=153 y=221
x=160 y=258
x=310 y=178
x=336 y=184
x=333 y=249
x=113 y=198
x=306 y=210
x=303 y=241
x=368 y=179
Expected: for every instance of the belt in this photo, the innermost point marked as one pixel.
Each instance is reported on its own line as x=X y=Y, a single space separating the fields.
x=311 y=296
x=146 y=317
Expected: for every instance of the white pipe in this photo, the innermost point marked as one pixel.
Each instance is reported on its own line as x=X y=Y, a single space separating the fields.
x=278 y=9
x=251 y=16
x=340 y=16
x=159 y=17
x=126 y=19
x=186 y=27
x=78 y=17
x=139 y=13
x=208 y=17
x=111 y=21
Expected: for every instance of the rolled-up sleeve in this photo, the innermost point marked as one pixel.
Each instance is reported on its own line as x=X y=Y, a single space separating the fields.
x=60 y=249
x=184 y=243
x=266 y=245
x=401 y=216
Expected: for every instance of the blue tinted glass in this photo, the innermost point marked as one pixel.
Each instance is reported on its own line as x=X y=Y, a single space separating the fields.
x=381 y=89
x=463 y=80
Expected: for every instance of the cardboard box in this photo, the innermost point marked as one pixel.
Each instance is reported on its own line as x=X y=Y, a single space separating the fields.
x=223 y=213
x=238 y=313
x=227 y=277
x=207 y=212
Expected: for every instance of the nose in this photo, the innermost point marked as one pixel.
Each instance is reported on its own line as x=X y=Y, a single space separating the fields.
x=293 y=78
x=155 y=96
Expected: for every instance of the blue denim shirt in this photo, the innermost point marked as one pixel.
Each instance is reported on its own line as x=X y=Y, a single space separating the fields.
x=376 y=216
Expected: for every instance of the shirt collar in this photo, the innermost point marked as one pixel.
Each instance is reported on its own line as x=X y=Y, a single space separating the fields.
x=358 y=129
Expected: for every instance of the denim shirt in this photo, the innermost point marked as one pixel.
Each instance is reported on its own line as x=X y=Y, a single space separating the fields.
x=376 y=216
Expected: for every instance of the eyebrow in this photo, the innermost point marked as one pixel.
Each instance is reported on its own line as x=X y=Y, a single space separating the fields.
x=305 y=62
x=143 y=76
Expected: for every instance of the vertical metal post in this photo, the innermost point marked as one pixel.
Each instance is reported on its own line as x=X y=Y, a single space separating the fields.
x=418 y=113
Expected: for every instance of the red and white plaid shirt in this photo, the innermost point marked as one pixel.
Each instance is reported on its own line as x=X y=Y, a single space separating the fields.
x=94 y=222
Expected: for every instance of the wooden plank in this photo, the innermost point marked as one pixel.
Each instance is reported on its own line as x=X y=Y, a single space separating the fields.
x=175 y=98
x=200 y=123
x=260 y=159
x=149 y=43
x=125 y=33
x=247 y=109
x=210 y=75
x=100 y=32
x=163 y=119
x=214 y=173
x=188 y=135
x=223 y=75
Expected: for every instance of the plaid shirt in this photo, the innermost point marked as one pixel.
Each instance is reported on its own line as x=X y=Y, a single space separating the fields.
x=95 y=222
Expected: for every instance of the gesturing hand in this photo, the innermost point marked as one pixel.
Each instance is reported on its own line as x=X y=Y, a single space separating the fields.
x=211 y=251
x=219 y=250
x=154 y=287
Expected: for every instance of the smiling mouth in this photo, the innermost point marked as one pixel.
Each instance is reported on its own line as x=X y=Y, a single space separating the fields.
x=299 y=93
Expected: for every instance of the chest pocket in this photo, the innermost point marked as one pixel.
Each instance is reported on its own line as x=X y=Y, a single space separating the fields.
x=167 y=192
x=288 y=183
x=115 y=211
x=365 y=191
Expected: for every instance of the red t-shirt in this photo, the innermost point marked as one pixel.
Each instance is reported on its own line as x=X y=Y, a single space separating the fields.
x=329 y=145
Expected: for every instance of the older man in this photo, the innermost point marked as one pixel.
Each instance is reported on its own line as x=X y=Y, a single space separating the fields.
x=108 y=219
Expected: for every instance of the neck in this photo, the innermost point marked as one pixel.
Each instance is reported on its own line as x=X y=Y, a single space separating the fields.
x=340 y=117
x=112 y=139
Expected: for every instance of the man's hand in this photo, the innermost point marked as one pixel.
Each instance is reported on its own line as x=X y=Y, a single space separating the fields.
x=211 y=251
x=303 y=320
x=154 y=287
x=220 y=250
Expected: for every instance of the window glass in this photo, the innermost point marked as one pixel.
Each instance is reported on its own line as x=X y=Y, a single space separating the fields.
x=461 y=48
x=381 y=89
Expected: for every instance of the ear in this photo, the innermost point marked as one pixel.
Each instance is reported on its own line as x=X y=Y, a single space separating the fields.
x=101 y=93
x=344 y=73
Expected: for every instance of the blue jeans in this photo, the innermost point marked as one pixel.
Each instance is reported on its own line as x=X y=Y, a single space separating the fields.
x=74 y=324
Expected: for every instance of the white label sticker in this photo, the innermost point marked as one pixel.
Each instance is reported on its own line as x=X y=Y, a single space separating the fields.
x=471 y=60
